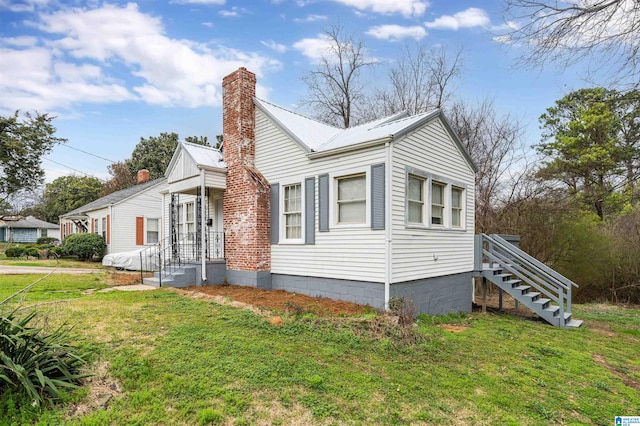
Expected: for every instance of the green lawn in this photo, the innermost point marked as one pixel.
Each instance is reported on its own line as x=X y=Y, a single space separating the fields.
x=182 y=361
x=60 y=263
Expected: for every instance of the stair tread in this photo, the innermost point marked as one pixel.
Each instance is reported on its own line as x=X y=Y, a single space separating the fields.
x=522 y=287
x=542 y=301
x=532 y=294
x=552 y=309
x=574 y=323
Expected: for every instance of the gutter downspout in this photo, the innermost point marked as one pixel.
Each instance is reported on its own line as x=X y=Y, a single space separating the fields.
x=203 y=223
x=388 y=225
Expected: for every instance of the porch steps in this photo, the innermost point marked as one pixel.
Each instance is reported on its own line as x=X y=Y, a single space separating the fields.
x=183 y=276
x=523 y=293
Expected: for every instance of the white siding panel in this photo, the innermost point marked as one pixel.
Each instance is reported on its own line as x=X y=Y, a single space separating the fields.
x=215 y=179
x=147 y=204
x=424 y=253
x=353 y=253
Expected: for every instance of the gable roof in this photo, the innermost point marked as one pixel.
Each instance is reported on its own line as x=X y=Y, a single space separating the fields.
x=27 y=222
x=115 y=197
x=202 y=156
x=320 y=139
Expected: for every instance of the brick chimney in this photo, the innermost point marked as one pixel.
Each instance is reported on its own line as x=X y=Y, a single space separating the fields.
x=246 y=197
x=143 y=176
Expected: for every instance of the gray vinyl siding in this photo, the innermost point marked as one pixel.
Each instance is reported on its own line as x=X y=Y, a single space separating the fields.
x=345 y=252
x=430 y=149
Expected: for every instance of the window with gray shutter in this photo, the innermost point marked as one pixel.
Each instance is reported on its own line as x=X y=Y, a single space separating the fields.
x=377 y=196
x=275 y=213
x=310 y=210
x=323 y=203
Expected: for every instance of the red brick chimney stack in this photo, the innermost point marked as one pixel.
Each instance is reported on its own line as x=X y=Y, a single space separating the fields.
x=246 y=197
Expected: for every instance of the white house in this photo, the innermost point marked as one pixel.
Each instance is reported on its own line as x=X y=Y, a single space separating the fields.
x=25 y=229
x=381 y=210
x=127 y=219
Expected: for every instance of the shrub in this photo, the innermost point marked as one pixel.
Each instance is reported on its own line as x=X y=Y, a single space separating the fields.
x=47 y=240
x=14 y=252
x=32 y=251
x=34 y=362
x=56 y=251
x=85 y=246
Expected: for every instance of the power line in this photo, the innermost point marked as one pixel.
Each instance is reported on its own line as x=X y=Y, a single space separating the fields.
x=68 y=167
x=88 y=153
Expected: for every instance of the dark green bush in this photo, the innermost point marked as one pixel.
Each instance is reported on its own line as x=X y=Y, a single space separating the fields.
x=46 y=240
x=56 y=251
x=14 y=252
x=32 y=251
x=85 y=246
x=35 y=362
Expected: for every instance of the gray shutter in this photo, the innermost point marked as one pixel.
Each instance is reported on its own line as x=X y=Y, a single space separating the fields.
x=275 y=213
x=377 y=196
x=323 y=202
x=310 y=210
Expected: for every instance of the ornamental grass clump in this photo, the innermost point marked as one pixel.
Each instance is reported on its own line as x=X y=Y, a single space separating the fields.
x=36 y=362
x=33 y=361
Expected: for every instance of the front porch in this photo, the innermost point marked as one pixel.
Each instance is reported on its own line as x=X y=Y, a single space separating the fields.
x=192 y=218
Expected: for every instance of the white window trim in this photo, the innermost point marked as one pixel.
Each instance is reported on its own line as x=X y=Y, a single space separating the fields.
x=463 y=197
x=445 y=204
x=281 y=220
x=146 y=229
x=333 y=197
x=425 y=182
x=449 y=184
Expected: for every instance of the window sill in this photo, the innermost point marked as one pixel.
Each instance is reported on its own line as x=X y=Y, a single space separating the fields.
x=350 y=225
x=289 y=243
x=433 y=228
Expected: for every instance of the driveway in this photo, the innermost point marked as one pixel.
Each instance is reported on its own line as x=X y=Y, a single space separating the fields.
x=21 y=270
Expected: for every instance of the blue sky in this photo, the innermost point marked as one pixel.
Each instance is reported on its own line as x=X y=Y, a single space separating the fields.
x=113 y=72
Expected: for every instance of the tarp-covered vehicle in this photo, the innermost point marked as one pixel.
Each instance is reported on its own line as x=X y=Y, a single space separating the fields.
x=133 y=261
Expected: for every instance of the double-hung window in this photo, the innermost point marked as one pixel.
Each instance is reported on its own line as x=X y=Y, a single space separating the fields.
x=352 y=199
x=292 y=211
x=456 y=207
x=153 y=229
x=189 y=220
x=415 y=200
x=437 y=203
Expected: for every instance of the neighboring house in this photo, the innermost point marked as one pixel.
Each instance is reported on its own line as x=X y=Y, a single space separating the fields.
x=26 y=229
x=127 y=219
x=381 y=210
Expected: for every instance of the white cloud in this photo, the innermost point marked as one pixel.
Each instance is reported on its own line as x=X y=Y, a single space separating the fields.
x=404 y=7
x=472 y=17
x=205 y=2
x=313 y=48
x=115 y=54
x=311 y=18
x=20 y=41
x=207 y=24
x=397 y=32
x=234 y=12
x=280 y=48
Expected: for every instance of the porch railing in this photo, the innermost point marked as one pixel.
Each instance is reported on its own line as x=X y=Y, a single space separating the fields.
x=165 y=258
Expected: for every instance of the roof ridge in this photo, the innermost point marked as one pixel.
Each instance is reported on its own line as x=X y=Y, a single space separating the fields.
x=197 y=145
x=298 y=114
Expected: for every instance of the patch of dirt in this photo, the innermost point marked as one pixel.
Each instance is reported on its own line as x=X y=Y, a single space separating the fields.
x=102 y=389
x=627 y=380
x=454 y=328
x=117 y=278
x=508 y=303
x=281 y=300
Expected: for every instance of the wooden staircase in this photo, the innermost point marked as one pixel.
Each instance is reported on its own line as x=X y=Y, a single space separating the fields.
x=526 y=279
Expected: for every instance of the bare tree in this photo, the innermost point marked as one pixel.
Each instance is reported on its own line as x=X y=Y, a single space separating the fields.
x=336 y=90
x=421 y=80
x=604 y=32
x=495 y=145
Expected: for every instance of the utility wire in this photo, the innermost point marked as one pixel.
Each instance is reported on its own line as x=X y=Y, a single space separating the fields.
x=70 y=168
x=86 y=152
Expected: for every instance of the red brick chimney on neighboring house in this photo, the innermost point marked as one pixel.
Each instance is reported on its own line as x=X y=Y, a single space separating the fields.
x=143 y=176
x=246 y=197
